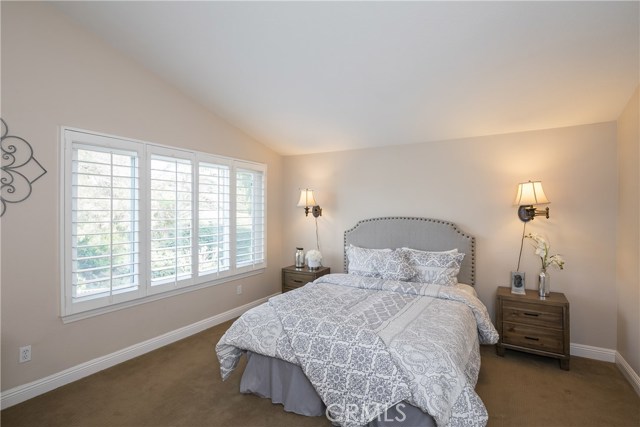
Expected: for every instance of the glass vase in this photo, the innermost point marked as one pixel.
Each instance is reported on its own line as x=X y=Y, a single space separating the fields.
x=544 y=284
x=299 y=257
x=313 y=265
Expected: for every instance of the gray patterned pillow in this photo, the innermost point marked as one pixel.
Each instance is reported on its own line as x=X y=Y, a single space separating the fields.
x=364 y=261
x=440 y=268
x=395 y=266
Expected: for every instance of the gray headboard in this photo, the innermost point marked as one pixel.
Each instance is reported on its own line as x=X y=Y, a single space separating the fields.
x=417 y=233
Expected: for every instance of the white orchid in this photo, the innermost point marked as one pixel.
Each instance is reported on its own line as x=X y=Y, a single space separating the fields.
x=557 y=261
x=542 y=247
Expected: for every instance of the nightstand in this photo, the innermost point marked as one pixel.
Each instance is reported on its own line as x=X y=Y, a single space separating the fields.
x=533 y=325
x=293 y=278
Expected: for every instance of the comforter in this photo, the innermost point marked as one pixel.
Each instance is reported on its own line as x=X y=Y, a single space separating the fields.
x=367 y=344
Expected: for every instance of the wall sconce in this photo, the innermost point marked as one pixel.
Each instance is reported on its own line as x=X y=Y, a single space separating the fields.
x=308 y=202
x=530 y=194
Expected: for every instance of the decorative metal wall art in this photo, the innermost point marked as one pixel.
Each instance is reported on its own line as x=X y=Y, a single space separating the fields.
x=19 y=169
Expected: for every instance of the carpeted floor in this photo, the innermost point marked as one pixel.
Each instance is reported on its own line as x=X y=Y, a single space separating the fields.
x=179 y=385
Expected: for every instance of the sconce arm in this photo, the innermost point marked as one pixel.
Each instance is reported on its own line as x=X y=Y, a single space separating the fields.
x=528 y=212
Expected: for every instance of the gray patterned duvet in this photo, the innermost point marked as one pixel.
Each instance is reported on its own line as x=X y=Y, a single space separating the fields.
x=366 y=344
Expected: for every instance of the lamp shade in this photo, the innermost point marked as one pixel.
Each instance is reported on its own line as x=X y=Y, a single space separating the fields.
x=530 y=193
x=306 y=199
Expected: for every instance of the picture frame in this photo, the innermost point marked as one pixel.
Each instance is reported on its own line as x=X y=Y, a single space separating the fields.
x=517 y=283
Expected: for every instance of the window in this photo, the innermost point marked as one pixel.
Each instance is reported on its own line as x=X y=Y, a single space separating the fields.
x=141 y=221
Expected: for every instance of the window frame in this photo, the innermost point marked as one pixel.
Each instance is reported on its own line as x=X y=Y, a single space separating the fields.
x=71 y=137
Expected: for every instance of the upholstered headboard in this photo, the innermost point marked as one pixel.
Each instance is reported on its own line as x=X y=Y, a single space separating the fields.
x=417 y=233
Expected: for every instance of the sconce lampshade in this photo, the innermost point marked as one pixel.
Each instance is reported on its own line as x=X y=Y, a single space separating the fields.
x=306 y=199
x=530 y=193
x=308 y=202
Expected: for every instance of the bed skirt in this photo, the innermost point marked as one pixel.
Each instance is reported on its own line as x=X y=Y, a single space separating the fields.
x=285 y=383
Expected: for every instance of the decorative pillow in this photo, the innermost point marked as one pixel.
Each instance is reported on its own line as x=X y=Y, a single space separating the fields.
x=440 y=268
x=395 y=266
x=364 y=261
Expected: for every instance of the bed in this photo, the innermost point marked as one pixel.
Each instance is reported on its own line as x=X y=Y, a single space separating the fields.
x=393 y=341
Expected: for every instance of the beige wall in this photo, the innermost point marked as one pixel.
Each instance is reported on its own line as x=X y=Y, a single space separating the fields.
x=55 y=73
x=472 y=182
x=628 y=243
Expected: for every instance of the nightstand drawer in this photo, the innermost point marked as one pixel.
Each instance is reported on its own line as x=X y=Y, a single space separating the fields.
x=532 y=314
x=295 y=280
x=533 y=337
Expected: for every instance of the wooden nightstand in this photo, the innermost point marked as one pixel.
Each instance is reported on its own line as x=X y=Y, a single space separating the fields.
x=293 y=278
x=528 y=323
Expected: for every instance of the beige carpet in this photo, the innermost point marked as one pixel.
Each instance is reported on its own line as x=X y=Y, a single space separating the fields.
x=179 y=385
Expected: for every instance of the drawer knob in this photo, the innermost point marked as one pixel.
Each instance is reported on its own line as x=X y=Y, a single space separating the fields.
x=531 y=338
x=532 y=314
x=298 y=281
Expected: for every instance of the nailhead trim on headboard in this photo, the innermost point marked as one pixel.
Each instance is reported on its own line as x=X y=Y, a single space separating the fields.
x=437 y=221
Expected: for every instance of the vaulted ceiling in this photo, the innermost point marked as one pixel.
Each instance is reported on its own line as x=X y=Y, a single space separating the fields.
x=307 y=77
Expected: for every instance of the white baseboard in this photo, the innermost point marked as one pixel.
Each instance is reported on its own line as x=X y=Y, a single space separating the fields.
x=608 y=355
x=596 y=353
x=27 y=391
x=628 y=372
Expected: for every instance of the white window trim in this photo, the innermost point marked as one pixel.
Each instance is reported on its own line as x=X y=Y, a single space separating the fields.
x=71 y=311
x=155 y=297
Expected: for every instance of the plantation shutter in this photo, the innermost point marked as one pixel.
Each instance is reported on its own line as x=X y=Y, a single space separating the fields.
x=105 y=234
x=214 y=223
x=250 y=217
x=171 y=221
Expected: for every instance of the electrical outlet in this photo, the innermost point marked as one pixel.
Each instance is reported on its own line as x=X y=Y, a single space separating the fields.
x=25 y=354
x=239 y=289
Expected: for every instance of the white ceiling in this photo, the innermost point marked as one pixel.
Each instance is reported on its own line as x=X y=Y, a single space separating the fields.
x=306 y=77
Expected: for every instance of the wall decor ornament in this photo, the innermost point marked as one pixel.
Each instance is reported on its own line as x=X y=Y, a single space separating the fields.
x=20 y=169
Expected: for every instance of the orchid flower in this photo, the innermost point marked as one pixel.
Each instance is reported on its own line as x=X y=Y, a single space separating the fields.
x=542 y=248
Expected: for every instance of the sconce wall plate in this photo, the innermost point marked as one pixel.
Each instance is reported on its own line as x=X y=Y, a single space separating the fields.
x=20 y=169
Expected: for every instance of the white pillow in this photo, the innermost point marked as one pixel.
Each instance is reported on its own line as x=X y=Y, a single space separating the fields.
x=467 y=289
x=450 y=251
x=440 y=268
